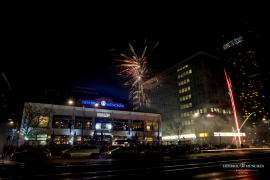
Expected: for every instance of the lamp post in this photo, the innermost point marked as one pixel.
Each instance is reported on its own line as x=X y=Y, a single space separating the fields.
x=83 y=109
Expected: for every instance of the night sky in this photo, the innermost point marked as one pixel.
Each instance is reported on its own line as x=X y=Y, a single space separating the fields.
x=81 y=42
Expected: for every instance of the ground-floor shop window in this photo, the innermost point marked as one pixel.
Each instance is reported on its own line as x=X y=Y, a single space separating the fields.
x=64 y=139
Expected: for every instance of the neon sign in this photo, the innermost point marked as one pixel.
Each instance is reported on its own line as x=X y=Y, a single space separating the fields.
x=233 y=42
x=103 y=103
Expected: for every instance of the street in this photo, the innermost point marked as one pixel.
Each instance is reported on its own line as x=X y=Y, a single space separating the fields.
x=190 y=166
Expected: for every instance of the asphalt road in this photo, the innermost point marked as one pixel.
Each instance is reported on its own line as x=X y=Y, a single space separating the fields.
x=191 y=166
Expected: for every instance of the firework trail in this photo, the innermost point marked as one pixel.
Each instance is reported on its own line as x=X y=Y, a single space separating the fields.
x=134 y=68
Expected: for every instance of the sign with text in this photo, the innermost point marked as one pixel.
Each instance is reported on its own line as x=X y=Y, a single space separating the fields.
x=103 y=115
x=101 y=104
x=233 y=42
x=228 y=134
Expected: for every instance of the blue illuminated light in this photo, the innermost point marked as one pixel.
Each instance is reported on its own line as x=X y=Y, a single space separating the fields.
x=107 y=104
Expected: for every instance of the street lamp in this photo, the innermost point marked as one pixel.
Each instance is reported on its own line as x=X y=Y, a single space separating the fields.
x=71 y=102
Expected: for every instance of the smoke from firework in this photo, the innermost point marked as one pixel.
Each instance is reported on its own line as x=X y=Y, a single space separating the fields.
x=134 y=68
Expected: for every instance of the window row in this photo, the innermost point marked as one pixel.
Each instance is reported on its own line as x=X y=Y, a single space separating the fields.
x=182 y=68
x=187 y=122
x=183 y=82
x=184 y=73
x=188 y=105
x=219 y=110
x=186 y=114
x=184 y=90
x=185 y=97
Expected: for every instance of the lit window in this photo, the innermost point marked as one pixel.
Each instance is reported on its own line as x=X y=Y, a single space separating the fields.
x=188 y=122
x=178 y=76
x=201 y=110
x=204 y=110
x=187 y=113
x=181 y=114
x=181 y=98
x=263 y=96
x=191 y=112
x=224 y=111
x=190 y=71
x=185 y=122
x=184 y=106
x=180 y=91
x=184 y=98
x=254 y=114
x=188 y=88
x=262 y=107
x=212 y=110
x=189 y=96
x=190 y=104
x=187 y=80
x=185 y=89
x=191 y=122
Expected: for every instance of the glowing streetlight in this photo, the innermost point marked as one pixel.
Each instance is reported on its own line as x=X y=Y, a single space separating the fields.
x=70 y=102
x=11 y=122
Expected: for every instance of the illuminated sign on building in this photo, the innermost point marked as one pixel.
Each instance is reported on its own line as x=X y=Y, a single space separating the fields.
x=228 y=134
x=202 y=134
x=233 y=42
x=103 y=103
x=103 y=115
x=181 y=136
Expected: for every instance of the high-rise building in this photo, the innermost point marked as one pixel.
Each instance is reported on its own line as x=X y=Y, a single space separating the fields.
x=252 y=81
x=195 y=93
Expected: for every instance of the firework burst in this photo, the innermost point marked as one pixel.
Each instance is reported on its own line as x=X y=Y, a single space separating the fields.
x=134 y=68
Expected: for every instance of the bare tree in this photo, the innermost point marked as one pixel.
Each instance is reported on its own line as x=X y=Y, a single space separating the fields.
x=176 y=128
x=36 y=119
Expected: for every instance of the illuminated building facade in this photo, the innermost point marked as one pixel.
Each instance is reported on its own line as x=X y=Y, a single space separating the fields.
x=188 y=92
x=252 y=84
x=114 y=124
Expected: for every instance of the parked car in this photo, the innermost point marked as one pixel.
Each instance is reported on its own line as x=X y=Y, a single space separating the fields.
x=176 y=150
x=81 y=151
x=209 y=147
x=152 y=151
x=122 y=152
x=42 y=153
x=194 y=149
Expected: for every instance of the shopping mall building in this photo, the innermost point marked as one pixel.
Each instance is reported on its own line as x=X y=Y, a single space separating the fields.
x=111 y=119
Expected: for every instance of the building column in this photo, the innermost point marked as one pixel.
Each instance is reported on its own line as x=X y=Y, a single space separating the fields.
x=93 y=123
x=144 y=127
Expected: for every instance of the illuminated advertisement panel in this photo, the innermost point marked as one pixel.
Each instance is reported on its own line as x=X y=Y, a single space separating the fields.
x=181 y=136
x=228 y=134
